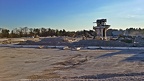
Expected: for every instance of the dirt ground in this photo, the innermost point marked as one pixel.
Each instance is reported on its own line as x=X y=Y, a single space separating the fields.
x=21 y=64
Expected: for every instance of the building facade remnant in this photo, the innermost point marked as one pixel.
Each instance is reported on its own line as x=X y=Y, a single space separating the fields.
x=101 y=29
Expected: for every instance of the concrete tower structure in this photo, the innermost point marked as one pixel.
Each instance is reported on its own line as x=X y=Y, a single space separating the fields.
x=101 y=29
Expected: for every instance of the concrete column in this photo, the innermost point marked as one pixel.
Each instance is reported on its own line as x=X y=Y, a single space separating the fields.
x=101 y=33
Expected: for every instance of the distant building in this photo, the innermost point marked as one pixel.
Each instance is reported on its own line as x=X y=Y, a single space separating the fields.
x=126 y=33
x=101 y=29
x=117 y=33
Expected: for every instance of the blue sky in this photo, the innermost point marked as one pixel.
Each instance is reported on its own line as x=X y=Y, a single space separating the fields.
x=71 y=14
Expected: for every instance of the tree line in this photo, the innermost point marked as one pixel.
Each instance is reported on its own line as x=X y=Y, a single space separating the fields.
x=33 y=32
x=44 y=32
